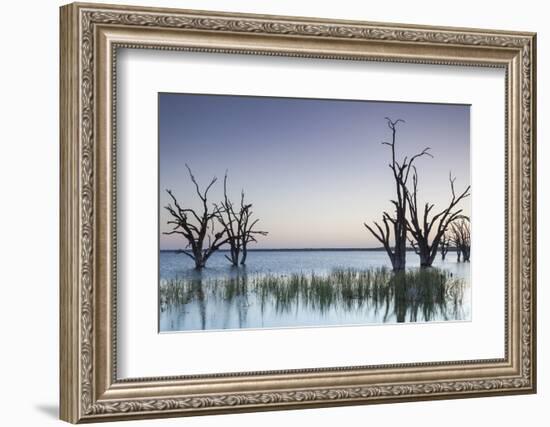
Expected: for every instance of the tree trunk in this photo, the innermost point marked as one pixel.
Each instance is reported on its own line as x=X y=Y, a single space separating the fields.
x=234 y=257
x=399 y=261
x=245 y=253
x=424 y=261
x=444 y=246
x=423 y=251
x=199 y=262
x=466 y=254
x=401 y=241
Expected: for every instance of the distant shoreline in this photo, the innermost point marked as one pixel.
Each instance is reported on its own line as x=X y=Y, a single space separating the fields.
x=301 y=250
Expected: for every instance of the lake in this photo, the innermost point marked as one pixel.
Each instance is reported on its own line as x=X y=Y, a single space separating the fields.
x=308 y=288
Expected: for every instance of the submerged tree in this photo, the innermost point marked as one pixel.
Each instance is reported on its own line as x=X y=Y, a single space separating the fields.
x=396 y=225
x=460 y=231
x=198 y=228
x=458 y=253
x=444 y=245
x=238 y=225
x=247 y=231
x=227 y=217
x=427 y=232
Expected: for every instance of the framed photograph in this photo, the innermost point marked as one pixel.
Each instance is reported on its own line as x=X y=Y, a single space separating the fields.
x=265 y=212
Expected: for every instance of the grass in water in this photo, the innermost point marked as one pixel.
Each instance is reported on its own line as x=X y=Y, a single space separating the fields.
x=412 y=295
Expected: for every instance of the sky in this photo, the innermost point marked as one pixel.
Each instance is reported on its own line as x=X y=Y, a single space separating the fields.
x=315 y=170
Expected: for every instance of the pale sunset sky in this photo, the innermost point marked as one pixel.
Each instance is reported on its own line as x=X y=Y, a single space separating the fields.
x=313 y=169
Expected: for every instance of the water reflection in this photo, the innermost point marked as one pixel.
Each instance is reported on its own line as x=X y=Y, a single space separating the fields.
x=342 y=296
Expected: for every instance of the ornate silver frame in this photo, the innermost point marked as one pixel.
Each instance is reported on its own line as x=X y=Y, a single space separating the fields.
x=90 y=36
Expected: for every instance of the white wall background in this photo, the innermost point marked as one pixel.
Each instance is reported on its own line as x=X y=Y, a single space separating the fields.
x=29 y=171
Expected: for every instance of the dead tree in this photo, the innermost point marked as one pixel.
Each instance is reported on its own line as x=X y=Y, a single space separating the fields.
x=460 y=231
x=238 y=226
x=427 y=232
x=198 y=228
x=396 y=225
x=229 y=220
x=458 y=254
x=444 y=245
x=455 y=237
x=247 y=230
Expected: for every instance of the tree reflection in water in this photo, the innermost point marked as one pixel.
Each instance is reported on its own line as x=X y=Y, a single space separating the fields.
x=411 y=296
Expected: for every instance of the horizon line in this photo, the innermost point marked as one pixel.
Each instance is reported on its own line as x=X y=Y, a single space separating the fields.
x=380 y=248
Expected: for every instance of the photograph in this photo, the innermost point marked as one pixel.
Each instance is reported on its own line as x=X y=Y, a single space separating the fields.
x=297 y=212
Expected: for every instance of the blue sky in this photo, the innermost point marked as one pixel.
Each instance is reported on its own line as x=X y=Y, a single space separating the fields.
x=315 y=170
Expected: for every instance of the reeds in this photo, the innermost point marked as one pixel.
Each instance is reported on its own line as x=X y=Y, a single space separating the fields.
x=412 y=295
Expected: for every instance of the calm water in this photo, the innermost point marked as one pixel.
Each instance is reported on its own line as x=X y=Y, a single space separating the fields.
x=226 y=297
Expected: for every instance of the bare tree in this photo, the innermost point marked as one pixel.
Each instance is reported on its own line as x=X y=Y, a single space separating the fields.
x=238 y=225
x=247 y=231
x=198 y=228
x=458 y=253
x=427 y=232
x=396 y=225
x=460 y=231
x=444 y=245
x=229 y=220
